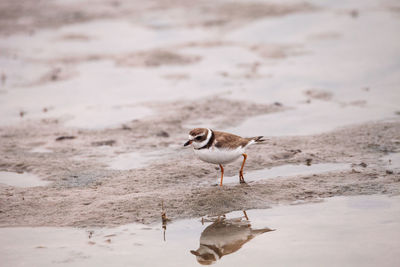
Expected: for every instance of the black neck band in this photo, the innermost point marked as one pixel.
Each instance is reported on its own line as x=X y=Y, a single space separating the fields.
x=209 y=143
x=215 y=249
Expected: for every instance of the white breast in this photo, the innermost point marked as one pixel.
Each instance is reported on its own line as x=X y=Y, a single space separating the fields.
x=219 y=156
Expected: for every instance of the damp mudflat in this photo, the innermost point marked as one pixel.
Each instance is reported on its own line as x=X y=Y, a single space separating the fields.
x=340 y=231
x=322 y=66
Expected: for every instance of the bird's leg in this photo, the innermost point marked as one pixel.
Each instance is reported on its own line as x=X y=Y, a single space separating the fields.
x=222 y=174
x=245 y=215
x=241 y=178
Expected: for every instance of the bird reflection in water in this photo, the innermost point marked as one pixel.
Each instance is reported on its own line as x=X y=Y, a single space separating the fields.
x=164 y=219
x=225 y=236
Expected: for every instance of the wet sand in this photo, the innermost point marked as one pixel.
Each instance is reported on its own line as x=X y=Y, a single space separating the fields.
x=85 y=191
x=97 y=99
x=103 y=111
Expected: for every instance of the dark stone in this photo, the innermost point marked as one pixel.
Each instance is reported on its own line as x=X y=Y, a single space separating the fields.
x=104 y=143
x=162 y=134
x=363 y=164
x=65 y=137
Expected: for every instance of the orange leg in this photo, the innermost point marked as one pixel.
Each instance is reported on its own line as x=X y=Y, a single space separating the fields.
x=222 y=174
x=245 y=215
x=241 y=178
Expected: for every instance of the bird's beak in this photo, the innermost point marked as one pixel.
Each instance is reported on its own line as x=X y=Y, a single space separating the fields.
x=195 y=253
x=188 y=143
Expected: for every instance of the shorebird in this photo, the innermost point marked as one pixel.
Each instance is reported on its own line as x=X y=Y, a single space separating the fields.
x=220 y=147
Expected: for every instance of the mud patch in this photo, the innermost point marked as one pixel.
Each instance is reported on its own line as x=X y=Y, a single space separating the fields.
x=75 y=37
x=54 y=75
x=207 y=112
x=276 y=51
x=236 y=12
x=318 y=94
x=156 y=58
x=27 y=17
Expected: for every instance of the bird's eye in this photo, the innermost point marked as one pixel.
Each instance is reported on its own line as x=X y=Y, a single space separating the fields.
x=198 y=137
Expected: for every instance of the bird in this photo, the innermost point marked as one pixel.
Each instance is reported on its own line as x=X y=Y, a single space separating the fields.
x=220 y=147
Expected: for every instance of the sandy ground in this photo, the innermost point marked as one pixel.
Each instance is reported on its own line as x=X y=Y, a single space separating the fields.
x=85 y=191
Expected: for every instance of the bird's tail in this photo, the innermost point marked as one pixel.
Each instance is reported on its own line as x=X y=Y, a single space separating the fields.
x=261 y=231
x=255 y=140
x=259 y=139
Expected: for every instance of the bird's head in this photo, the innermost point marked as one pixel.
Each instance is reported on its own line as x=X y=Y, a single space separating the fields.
x=198 y=137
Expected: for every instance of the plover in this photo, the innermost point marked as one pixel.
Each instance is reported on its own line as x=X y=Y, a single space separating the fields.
x=220 y=147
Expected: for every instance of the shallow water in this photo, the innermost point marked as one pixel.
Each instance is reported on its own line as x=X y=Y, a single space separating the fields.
x=40 y=149
x=333 y=59
x=341 y=231
x=21 y=179
x=287 y=171
x=328 y=50
x=134 y=160
x=128 y=161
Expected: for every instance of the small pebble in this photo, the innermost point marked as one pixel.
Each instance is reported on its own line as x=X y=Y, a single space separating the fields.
x=65 y=137
x=162 y=134
x=363 y=164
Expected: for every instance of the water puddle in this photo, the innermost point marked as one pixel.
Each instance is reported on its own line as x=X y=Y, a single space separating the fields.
x=308 y=119
x=392 y=160
x=128 y=161
x=342 y=231
x=288 y=170
x=134 y=160
x=41 y=149
x=21 y=179
x=99 y=117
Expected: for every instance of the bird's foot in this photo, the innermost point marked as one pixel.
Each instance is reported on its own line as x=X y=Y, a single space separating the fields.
x=241 y=178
